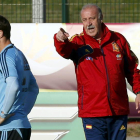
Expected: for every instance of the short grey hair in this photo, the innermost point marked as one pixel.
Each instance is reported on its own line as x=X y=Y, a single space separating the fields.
x=90 y=5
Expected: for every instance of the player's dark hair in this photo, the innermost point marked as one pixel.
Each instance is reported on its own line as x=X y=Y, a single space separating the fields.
x=5 y=27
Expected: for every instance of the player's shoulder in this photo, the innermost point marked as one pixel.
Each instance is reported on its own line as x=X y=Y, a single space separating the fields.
x=76 y=36
x=10 y=51
x=119 y=35
x=13 y=52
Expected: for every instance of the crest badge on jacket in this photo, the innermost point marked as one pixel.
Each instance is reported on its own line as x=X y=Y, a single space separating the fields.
x=116 y=47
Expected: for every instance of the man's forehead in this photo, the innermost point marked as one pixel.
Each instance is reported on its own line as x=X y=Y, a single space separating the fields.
x=90 y=10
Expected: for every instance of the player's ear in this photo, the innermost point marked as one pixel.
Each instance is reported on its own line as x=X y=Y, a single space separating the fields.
x=101 y=18
x=1 y=33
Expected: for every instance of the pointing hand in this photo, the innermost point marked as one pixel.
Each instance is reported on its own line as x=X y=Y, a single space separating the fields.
x=62 y=35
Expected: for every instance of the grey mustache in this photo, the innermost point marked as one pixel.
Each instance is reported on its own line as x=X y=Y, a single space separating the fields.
x=90 y=27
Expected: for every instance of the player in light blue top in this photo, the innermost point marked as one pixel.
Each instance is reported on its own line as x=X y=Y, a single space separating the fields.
x=18 y=88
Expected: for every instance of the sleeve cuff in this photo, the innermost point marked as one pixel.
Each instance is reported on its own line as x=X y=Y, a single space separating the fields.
x=3 y=115
x=138 y=92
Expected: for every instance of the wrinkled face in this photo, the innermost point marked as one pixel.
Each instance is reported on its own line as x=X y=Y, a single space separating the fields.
x=91 y=22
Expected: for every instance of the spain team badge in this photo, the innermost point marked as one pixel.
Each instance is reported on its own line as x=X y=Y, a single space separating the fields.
x=116 y=47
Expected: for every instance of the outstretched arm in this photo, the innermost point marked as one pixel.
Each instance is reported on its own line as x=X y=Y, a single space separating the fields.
x=62 y=44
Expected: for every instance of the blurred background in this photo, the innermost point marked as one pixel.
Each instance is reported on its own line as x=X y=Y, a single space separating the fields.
x=67 y=11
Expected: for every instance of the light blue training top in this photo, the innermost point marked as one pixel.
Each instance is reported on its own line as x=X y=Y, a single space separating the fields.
x=18 y=88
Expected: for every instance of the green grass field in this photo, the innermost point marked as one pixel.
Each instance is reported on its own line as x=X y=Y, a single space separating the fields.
x=114 y=11
x=133 y=129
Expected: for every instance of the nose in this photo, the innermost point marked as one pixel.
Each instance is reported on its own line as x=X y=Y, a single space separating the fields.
x=89 y=22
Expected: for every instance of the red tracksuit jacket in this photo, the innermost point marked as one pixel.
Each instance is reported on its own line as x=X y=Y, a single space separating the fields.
x=101 y=68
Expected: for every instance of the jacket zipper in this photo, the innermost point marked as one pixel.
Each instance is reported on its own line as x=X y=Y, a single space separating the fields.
x=82 y=97
x=106 y=72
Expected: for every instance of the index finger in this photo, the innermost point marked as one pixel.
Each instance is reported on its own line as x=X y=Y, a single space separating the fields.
x=62 y=30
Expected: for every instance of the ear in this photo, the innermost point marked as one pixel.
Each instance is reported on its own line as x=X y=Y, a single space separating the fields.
x=1 y=33
x=101 y=18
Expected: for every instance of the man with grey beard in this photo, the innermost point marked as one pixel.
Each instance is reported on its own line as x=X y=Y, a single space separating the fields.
x=102 y=60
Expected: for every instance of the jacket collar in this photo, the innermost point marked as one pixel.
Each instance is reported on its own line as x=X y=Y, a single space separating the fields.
x=106 y=34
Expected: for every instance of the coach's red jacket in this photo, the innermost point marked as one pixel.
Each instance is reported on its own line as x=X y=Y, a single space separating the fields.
x=101 y=68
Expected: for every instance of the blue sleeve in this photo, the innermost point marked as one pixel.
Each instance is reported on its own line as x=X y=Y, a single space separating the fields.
x=9 y=72
x=11 y=90
x=8 y=64
x=33 y=91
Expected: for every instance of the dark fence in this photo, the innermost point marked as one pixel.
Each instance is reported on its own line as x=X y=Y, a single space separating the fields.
x=57 y=11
